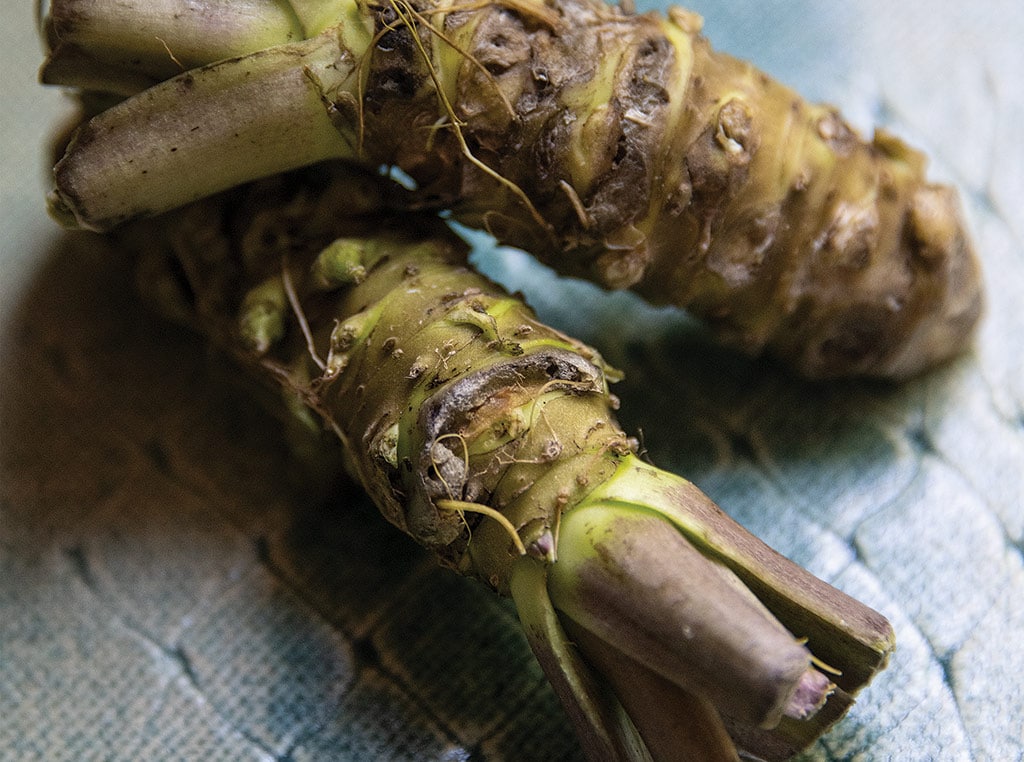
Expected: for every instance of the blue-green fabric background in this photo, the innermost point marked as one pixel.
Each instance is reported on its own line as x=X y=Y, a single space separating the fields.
x=173 y=586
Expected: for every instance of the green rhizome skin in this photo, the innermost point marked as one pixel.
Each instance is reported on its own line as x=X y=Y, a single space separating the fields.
x=613 y=146
x=666 y=629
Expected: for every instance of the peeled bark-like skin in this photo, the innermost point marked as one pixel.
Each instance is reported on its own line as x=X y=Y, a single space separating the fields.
x=621 y=148
x=697 y=180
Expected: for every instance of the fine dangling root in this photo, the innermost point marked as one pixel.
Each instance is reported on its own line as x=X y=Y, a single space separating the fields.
x=300 y=315
x=825 y=667
x=577 y=203
x=461 y=506
x=821 y=665
x=404 y=11
x=170 y=54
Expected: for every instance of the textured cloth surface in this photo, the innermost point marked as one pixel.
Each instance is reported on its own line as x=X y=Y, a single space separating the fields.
x=173 y=586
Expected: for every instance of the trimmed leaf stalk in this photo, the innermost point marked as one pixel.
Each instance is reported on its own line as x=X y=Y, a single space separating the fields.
x=667 y=631
x=615 y=147
x=127 y=46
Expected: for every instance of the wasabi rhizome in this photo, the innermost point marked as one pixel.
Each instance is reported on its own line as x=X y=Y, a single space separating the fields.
x=613 y=146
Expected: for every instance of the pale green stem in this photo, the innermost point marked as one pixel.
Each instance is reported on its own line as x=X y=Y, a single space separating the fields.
x=208 y=130
x=125 y=46
x=605 y=731
x=157 y=39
